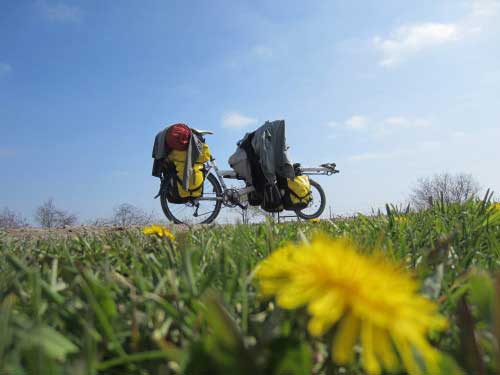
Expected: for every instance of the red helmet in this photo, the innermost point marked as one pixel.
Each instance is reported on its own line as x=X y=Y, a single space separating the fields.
x=177 y=137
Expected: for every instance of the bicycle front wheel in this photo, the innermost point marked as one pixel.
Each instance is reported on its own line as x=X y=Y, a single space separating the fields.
x=317 y=204
x=197 y=211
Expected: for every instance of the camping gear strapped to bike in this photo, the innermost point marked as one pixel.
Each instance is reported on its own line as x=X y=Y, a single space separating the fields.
x=193 y=189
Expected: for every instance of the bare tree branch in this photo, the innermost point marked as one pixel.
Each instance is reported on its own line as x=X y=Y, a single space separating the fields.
x=127 y=214
x=445 y=186
x=65 y=218
x=10 y=219
x=48 y=216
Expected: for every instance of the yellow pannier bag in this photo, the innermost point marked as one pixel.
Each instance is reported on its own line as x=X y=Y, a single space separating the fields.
x=299 y=189
x=195 y=187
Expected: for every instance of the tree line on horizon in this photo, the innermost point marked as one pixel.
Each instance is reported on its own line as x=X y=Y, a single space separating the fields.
x=447 y=187
x=47 y=215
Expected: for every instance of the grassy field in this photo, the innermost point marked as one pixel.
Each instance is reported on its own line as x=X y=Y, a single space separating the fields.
x=127 y=303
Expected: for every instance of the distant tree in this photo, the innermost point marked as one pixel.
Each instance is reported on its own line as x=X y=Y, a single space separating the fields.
x=48 y=216
x=452 y=188
x=99 y=222
x=66 y=218
x=10 y=219
x=127 y=214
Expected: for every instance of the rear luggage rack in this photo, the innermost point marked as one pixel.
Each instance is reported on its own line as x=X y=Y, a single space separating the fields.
x=326 y=169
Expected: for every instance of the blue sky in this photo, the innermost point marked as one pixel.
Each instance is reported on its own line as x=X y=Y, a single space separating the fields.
x=390 y=90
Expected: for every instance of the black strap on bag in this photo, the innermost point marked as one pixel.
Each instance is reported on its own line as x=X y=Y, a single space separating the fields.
x=191 y=191
x=173 y=195
x=272 y=199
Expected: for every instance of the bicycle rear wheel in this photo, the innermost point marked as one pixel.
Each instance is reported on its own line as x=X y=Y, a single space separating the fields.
x=197 y=211
x=317 y=204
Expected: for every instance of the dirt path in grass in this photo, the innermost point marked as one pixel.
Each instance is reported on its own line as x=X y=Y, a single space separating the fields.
x=39 y=233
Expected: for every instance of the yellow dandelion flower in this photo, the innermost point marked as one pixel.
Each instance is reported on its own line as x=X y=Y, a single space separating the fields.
x=315 y=220
x=369 y=299
x=401 y=219
x=159 y=230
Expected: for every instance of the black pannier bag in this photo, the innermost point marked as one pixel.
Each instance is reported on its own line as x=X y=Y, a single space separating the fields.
x=272 y=201
x=260 y=158
x=254 y=198
x=172 y=186
x=258 y=178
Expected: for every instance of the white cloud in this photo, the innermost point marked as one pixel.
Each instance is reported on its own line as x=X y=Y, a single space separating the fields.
x=5 y=68
x=417 y=149
x=411 y=39
x=59 y=11
x=333 y=124
x=380 y=127
x=458 y=134
x=262 y=51
x=367 y=156
x=429 y=145
x=485 y=8
x=235 y=120
x=408 y=40
x=380 y=155
x=356 y=122
x=483 y=13
x=406 y=123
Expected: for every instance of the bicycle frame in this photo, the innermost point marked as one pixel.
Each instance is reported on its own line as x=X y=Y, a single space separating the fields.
x=324 y=169
x=221 y=175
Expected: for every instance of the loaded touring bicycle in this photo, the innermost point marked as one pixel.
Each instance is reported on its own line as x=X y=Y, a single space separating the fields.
x=193 y=189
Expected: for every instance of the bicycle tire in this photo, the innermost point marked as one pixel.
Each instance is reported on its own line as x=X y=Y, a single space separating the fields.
x=322 y=204
x=218 y=205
